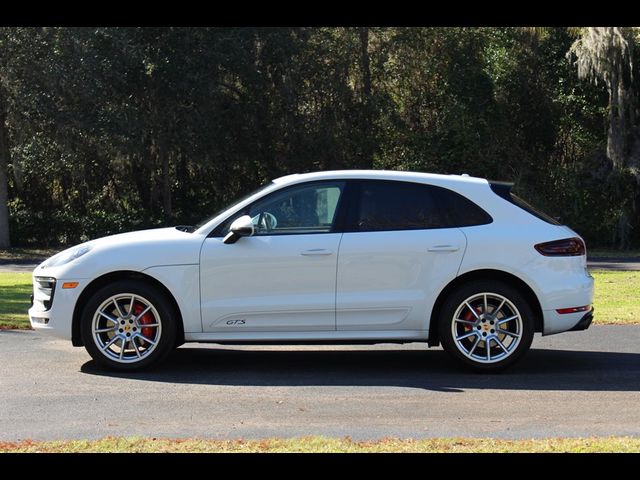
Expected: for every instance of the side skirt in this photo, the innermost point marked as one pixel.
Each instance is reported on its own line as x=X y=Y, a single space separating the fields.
x=310 y=338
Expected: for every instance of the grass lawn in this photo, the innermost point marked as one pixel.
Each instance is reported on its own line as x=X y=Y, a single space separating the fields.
x=330 y=445
x=15 y=290
x=617 y=299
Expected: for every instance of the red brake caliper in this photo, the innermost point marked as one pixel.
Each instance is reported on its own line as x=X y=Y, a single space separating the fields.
x=147 y=318
x=469 y=317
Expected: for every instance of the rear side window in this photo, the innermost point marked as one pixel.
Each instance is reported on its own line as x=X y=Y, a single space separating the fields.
x=391 y=205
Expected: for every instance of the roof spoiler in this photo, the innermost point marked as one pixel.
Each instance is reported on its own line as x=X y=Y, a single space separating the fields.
x=502 y=189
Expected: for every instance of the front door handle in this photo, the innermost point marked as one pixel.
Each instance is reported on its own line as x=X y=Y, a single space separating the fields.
x=316 y=251
x=444 y=248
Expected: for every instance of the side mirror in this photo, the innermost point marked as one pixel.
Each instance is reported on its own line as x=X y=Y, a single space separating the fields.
x=241 y=227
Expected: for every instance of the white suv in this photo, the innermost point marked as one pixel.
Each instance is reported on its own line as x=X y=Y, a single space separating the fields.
x=328 y=257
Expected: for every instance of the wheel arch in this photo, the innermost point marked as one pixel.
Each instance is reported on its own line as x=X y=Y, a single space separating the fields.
x=484 y=274
x=98 y=283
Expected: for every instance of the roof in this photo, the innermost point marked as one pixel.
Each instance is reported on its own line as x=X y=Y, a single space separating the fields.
x=379 y=175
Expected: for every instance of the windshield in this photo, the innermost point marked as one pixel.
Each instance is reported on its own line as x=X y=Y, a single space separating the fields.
x=235 y=202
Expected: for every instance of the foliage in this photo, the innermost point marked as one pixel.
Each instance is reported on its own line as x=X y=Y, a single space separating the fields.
x=114 y=129
x=607 y=54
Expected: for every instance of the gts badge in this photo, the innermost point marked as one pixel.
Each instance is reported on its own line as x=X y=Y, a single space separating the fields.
x=236 y=322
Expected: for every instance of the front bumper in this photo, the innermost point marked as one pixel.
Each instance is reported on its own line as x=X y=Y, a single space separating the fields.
x=58 y=318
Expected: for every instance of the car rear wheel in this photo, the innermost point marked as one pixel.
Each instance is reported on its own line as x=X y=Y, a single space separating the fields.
x=128 y=325
x=486 y=325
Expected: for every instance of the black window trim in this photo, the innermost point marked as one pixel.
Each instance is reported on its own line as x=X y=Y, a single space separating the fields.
x=338 y=222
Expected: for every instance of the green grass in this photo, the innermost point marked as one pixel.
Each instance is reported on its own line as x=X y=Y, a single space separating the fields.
x=15 y=290
x=328 y=445
x=617 y=300
x=14 y=254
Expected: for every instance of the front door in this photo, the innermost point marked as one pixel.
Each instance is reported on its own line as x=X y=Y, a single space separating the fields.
x=283 y=278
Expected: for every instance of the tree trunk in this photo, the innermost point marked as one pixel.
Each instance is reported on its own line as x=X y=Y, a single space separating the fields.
x=4 y=162
x=163 y=157
x=621 y=118
x=365 y=68
x=622 y=142
x=365 y=71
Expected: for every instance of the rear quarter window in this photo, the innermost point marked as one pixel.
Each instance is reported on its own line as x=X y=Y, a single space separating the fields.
x=503 y=189
x=523 y=204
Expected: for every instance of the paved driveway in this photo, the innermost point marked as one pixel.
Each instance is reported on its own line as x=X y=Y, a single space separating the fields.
x=573 y=384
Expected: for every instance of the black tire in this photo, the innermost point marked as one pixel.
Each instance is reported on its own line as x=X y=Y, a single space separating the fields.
x=166 y=332
x=454 y=305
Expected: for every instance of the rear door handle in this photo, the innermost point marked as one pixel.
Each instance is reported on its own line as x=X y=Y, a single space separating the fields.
x=444 y=248
x=316 y=251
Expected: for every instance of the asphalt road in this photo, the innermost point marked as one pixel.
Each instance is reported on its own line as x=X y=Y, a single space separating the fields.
x=573 y=384
x=19 y=265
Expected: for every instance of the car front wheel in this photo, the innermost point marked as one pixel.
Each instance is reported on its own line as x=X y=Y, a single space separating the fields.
x=128 y=325
x=486 y=325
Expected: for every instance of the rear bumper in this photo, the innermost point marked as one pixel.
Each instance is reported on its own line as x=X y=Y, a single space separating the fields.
x=584 y=323
x=561 y=292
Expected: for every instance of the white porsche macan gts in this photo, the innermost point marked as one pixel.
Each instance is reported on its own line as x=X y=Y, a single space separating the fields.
x=329 y=257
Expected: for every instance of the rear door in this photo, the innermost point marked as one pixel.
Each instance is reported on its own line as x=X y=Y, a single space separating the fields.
x=399 y=249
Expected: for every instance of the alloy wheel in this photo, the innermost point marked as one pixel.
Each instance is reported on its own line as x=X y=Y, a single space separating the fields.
x=126 y=328
x=487 y=327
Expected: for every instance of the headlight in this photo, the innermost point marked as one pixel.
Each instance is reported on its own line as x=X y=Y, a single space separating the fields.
x=67 y=256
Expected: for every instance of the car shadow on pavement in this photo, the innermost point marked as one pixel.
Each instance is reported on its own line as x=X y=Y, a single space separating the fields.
x=430 y=370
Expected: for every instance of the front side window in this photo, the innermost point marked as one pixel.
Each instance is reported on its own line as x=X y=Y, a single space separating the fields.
x=302 y=209
x=309 y=208
x=393 y=205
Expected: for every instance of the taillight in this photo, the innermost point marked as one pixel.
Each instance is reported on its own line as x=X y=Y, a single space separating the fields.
x=567 y=247
x=563 y=311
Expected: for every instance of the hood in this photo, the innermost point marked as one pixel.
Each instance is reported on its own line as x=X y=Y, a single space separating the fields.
x=141 y=236
x=133 y=251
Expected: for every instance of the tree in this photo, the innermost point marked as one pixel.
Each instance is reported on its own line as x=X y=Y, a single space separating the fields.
x=112 y=129
x=607 y=54
x=4 y=162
